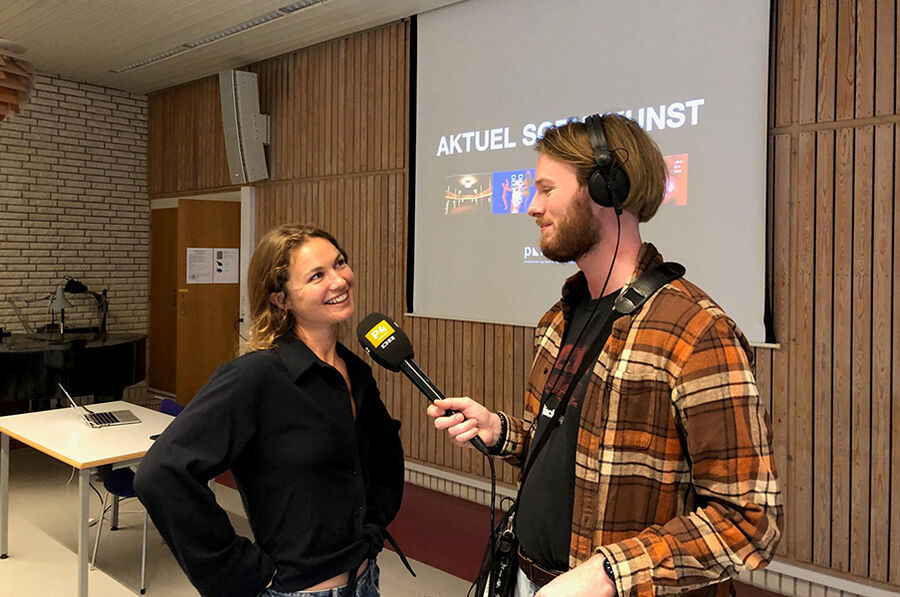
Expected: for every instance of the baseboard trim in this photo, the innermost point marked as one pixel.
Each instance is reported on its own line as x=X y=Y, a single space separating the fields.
x=455 y=484
x=789 y=579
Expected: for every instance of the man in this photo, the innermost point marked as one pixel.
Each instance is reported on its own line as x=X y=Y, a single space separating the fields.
x=660 y=477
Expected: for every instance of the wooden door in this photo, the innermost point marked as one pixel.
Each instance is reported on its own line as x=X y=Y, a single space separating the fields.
x=207 y=313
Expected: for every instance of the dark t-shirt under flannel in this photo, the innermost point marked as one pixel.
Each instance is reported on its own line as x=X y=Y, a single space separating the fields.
x=544 y=520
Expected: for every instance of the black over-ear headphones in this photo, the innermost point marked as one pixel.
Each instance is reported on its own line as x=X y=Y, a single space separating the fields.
x=609 y=184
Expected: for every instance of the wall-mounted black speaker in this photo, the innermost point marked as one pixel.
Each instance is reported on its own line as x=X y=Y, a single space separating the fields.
x=246 y=130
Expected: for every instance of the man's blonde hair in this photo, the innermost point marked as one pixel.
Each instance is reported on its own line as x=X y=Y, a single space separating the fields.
x=633 y=149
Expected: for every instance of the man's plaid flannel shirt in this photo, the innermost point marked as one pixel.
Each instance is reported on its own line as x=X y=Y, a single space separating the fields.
x=675 y=479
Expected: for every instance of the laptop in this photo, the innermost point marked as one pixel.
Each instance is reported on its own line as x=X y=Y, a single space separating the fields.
x=102 y=419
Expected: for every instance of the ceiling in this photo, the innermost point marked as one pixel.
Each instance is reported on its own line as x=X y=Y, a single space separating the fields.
x=84 y=40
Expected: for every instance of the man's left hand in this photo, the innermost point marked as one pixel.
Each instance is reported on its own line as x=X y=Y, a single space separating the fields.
x=587 y=580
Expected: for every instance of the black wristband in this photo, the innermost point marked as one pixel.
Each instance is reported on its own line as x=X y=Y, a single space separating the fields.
x=497 y=448
x=607 y=567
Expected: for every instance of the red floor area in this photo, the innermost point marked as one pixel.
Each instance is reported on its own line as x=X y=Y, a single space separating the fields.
x=442 y=531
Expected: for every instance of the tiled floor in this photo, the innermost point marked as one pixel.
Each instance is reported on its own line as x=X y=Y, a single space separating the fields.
x=43 y=529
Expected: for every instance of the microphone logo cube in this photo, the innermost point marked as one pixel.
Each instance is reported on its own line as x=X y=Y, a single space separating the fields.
x=379 y=333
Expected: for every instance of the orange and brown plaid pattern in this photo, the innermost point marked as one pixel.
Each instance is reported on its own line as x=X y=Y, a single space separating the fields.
x=675 y=479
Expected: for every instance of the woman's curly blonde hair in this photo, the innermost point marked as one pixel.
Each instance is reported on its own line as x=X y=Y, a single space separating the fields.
x=268 y=273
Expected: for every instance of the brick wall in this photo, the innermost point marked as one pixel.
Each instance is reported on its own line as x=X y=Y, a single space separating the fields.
x=73 y=202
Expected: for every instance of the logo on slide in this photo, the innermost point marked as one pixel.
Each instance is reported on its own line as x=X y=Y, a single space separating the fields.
x=379 y=333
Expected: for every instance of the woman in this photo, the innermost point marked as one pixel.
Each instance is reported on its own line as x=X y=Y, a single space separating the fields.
x=299 y=421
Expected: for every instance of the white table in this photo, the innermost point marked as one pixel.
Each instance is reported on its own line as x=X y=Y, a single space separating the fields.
x=62 y=434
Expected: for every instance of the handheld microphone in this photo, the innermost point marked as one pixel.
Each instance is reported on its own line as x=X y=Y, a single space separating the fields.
x=389 y=346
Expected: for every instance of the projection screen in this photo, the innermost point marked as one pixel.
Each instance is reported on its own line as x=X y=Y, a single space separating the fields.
x=492 y=75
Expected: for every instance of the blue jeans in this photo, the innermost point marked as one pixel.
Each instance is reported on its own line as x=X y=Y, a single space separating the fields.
x=524 y=587
x=366 y=586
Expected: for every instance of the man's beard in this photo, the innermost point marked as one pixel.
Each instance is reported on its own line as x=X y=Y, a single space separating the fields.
x=575 y=234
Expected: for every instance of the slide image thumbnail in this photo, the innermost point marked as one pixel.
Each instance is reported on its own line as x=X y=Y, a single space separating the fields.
x=676 y=184
x=513 y=191
x=467 y=192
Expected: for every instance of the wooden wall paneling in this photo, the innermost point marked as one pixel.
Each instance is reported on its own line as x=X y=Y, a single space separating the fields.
x=274 y=93
x=325 y=79
x=882 y=321
x=394 y=88
x=332 y=110
x=865 y=59
x=842 y=351
x=198 y=116
x=802 y=297
x=822 y=367
x=375 y=60
x=202 y=117
x=311 y=118
x=434 y=348
x=516 y=401
x=320 y=82
x=449 y=448
x=371 y=81
x=344 y=103
x=860 y=413
x=357 y=70
x=783 y=75
x=296 y=114
x=894 y=551
x=382 y=99
x=279 y=158
x=885 y=57
x=387 y=259
x=315 y=109
x=290 y=118
x=302 y=118
x=156 y=129
x=397 y=76
x=827 y=50
x=477 y=390
x=467 y=383
x=182 y=148
x=806 y=62
x=399 y=117
x=186 y=145
x=519 y=367
x=845 y=91
x=782 y=157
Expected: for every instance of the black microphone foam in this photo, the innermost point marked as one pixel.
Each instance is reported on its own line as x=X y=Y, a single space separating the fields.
x=389 y=346
x=384 y=341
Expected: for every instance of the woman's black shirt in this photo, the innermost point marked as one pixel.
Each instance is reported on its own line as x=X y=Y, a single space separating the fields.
x=318 y=486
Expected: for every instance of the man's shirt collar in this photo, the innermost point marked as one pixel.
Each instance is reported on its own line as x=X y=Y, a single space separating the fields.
x=575 y=285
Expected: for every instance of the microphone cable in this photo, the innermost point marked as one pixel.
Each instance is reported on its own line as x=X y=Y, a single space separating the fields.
x=490 y=459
